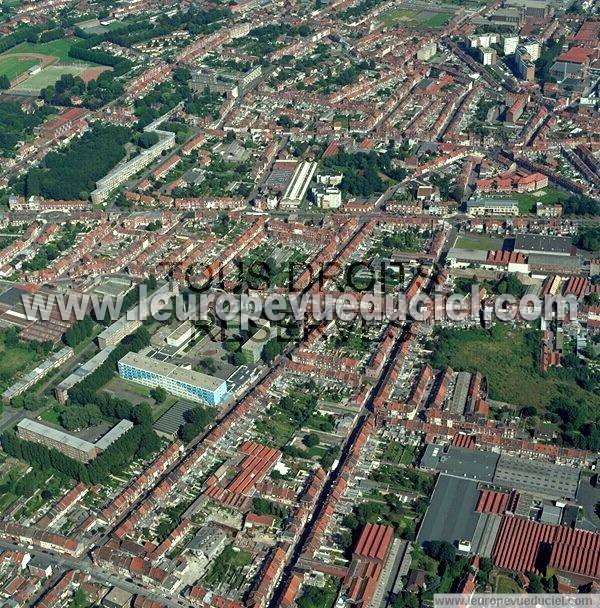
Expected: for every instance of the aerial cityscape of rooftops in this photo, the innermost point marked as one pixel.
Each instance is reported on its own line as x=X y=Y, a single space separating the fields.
x=299 y=303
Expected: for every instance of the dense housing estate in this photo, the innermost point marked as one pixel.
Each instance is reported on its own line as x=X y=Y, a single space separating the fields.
x=160 y=160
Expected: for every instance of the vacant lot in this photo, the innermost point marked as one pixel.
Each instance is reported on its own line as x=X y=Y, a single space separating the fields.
x=527 y=201
x=507 y=357
x=13 y=66
x=414 y=18
x=483 y=243
x=434 y=19
x=14 y=359
x=398 y=15
x=506 y=584
x=48 y=76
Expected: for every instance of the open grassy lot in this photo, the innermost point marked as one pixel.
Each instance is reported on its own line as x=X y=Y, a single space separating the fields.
x=527 y=201
x=14 y=359
x=415 y=18
x=506 y=584
x=227 y=567
x=483 y=243
x=435 y=20
x=52 y=414
x=56 y=48
x=49 y=76
x=507 y=357
x=398 y=16
x=11 y=67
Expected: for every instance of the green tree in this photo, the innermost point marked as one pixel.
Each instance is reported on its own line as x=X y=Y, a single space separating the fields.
x=311 y=440
x=159 y=394
x=442 y=551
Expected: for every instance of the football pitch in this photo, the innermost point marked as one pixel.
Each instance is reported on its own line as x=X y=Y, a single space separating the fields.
x=48 y=76
x=55 y=48
x=11 y=67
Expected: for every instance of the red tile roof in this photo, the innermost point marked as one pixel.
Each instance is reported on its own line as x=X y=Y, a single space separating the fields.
x=374 y=542
x=492 y=502
x=524 y=545
x=575 y=55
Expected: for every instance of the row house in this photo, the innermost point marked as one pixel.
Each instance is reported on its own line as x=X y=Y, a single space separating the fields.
x=141 y=484
x=31 y=535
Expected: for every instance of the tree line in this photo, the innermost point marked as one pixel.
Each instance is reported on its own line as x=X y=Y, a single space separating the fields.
x=362 y=171
x=25 y=33
x=72 y=173
x=196 y=420
x=139 y=442
x=93 y=94
x=16 y=124
x=79 y=331
x=85 y=391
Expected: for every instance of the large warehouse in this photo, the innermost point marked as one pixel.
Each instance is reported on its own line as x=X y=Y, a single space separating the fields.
x=543 y=244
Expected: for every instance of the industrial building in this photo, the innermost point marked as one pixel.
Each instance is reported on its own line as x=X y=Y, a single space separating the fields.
x=129 y=322
x=531 y=9
x=507 y=16
x=523 y=545
x=571 y=64
x=457 y=496
x=297 y=188
x=208 y=542
x=543 y=244
x=176 y=380
x=540 y=478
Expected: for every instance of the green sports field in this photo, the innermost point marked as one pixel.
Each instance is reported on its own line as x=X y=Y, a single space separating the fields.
x=48 y=76
x=11 y=67
x=56 y=48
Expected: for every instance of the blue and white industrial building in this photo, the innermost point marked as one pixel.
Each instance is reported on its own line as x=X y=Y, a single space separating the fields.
x=179 y=381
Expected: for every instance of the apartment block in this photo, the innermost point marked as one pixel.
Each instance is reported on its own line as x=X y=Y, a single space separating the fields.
x=176 y=380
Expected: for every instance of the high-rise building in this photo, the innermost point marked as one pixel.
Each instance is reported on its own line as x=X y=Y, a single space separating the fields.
x=176 y=380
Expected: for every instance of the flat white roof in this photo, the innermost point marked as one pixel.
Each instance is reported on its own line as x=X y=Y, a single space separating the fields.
x=181 y=374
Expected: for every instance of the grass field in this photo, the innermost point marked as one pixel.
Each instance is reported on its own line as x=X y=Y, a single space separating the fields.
x=11 y=67
x=506 y=584
x=415 y=18
x=52 y=414
x=506 y=357
x=527 y=201
x=397 y=453
x=398 y=15
x=481 y=243
x=56 y=48
x=14 y=359
x=48 y=76
x=437 y=20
